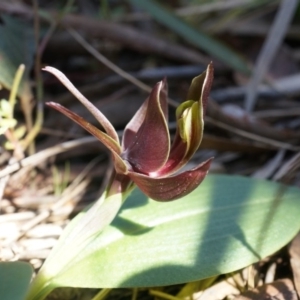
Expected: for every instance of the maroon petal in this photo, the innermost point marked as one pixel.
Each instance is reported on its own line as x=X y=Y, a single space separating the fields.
x=133 y=126
x=108 y=127
x=205 y=81
x=111 y=144
x=190 y=123
x=135 y=123
x=173 y=187
x=149 y=147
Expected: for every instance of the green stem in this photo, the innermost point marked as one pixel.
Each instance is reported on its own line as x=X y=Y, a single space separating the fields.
x=39 y=288
x=15 y=87
x=102 y=294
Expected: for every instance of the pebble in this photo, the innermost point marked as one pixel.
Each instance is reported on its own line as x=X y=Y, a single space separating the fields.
x=16 y=217
x=37 y=244
x=44 y=231
x=6 y=254
x=36 y=263
x=9 y=230
x=28 y=255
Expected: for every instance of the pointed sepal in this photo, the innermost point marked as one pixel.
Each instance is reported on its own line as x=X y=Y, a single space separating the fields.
x=105 y=139
x=190 y=123
x=135 y=123
x=200 y=87
x=108 y=127
x=150 y=146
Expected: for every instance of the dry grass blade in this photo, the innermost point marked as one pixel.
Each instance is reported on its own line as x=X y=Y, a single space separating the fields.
x=107 y=62
x=16 y=217
x=41 y=217
x=287 y=170
x=163 y=295
x=250 y=124
x=35 y=159
x=271 y=113
x=227 y=144
x=267 y=54
x=220 y=290
x=112 y=66
x=288 y=86
x=4 y=180
x=270 y=274
x=253 y=136
x=270 y=167
x=3 y=183
x=69 y=194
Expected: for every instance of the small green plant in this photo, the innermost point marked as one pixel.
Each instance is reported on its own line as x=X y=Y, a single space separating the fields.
x=8 y=124
x=6 y=112
x=60 y=180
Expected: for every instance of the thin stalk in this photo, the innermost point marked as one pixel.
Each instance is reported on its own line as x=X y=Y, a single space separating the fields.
x=33 y=132
x=15 y=87
x=102 y=294
x=10 y=133
x=100 y=57
x=163 y=295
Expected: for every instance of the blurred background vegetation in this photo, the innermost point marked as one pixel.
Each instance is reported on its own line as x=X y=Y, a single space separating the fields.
x=114 y=51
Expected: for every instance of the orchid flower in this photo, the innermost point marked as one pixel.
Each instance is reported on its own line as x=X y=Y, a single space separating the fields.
x=146 y=155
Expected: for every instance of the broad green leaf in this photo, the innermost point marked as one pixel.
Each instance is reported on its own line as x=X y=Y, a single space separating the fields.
x=192 y=35
x=14 y=280
x=227 y=223
x=16 y=47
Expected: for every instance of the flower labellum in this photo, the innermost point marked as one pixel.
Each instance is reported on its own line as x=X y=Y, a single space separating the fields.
x=146 y=155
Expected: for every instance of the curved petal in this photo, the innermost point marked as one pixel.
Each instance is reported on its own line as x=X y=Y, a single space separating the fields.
x=111 y=144
x=133 y=126
x=150 y=145
x=135 y=123
x=190 y=123
x=108 y=127
x=200 y=87
x=173 y=187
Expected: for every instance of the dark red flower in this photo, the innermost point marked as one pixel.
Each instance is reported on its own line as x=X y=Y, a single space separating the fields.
x=146 y=155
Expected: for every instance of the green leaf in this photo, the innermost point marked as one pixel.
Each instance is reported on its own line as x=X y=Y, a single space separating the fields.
x=16 y=47
x=192 y=35
x=227 y=223
x=14 y=280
